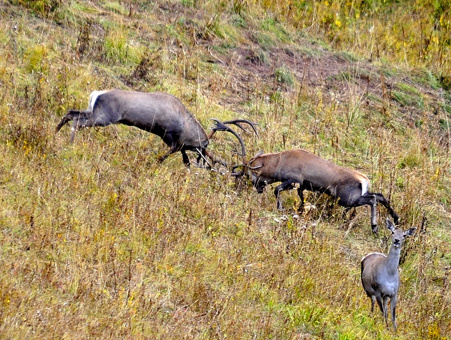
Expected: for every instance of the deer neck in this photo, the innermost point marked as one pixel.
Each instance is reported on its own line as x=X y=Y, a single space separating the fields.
x=392 y=260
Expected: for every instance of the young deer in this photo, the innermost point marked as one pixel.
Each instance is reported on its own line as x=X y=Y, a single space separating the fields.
x=380 y=276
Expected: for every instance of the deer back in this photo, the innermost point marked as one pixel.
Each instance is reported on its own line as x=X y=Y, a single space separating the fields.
x=158 y=113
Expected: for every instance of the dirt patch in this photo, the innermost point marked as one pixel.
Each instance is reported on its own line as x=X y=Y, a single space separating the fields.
x=338 y=76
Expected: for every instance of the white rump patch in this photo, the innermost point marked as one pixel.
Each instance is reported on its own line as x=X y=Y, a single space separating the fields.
x=365 y=186
x=364 y=181
x=93 y=98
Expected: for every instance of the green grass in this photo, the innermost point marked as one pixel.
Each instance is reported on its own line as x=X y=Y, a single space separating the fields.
x=98 y=240
x=284 y=76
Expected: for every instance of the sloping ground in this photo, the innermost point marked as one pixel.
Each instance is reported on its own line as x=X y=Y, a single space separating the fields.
x=414 y=96
x=98 y=240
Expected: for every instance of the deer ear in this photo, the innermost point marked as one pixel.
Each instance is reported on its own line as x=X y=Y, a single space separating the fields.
x=409 y=232
x=390 y=225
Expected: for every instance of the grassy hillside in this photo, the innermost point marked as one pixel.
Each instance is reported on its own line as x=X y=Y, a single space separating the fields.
x=97 y=240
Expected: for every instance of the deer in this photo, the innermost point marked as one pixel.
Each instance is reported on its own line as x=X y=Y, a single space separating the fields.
x=301 y=169
x=159 y=113
x=380 y=276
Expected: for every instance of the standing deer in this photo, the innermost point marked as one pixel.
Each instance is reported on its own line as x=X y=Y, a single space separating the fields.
x=158 y=113
x=380 y=276
x=306 y=171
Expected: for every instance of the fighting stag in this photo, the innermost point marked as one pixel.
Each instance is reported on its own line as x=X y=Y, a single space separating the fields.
x=303 y=170
x=380 y=276
x=159 y=113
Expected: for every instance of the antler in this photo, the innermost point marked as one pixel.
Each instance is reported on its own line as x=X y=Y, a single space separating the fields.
x=237 y=174
x=221 y=127
x=253 y=159
x=241 y=173
x=238 y=121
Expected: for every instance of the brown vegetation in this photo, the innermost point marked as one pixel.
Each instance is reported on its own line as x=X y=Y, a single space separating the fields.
x=97 y=240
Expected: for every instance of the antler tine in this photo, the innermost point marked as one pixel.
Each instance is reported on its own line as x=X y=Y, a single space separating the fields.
x=238 y=121
x=253 y=158
x=221 y=127
x=255 y=167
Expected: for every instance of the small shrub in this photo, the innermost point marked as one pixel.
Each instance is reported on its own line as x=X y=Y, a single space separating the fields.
x=264 y=40
x=411 y=160
x=34 y=58
x=43 y=7
x=117 y=48
x=284 y=76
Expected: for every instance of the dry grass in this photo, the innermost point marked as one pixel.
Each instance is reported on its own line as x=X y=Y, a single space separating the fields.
x=100 y=241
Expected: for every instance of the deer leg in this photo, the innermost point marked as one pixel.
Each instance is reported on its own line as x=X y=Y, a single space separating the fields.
x=373 y=300
x=381 y=199
x=173 y=149
x=393 y=302
x=72 y=115
x=73 y=129
x=301 y=196
x=84 y=119
x=374 y=214
x=345 y=212
x=385 y=306
x=200 y=160
x=380 y=303
x=185 y=158
x=67 y=118
x=371 y=200
x=80 y=120
x=284 y=186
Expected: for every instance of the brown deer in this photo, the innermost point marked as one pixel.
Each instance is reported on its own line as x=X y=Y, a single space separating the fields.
x=306 y=171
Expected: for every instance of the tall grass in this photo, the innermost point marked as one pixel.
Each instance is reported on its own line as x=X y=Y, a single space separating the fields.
x=100 y=241
x=413 y=33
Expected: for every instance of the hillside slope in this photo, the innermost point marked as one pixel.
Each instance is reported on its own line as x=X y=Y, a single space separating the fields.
x=99 y=240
